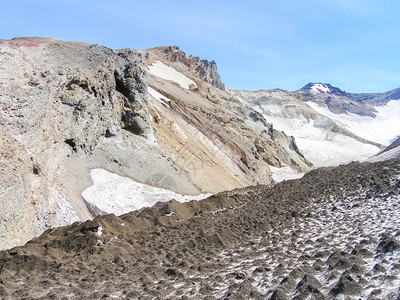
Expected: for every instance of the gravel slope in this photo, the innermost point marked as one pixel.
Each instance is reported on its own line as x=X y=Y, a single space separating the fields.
x=332 y=234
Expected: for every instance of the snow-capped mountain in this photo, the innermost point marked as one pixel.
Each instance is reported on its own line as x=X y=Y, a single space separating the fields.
x=330 y=126
x=339 y=101
x=370 y=98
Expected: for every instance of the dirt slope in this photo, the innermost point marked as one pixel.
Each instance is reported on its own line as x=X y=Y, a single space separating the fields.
x=332 y=234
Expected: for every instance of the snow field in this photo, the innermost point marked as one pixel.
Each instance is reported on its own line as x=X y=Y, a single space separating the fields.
x=381 y=129
x=318 y=145
x=165 y=72
x=112 y=193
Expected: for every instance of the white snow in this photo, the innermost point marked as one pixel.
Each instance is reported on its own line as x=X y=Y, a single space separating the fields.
x=381 y=129
x=320 y=146
x=99 y=230
x=158 y=96
x=320 y=88
x=392 y=153
x=116 y=194
x=163 y=71
x=338 y=150
x=325 y=148
x=284 y=173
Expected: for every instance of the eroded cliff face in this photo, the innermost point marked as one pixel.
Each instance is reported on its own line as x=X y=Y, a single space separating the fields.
x=68 y=108
x=58 y=100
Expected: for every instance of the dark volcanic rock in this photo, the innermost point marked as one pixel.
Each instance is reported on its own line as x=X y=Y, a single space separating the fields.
x=242 y=244
x=346 y=286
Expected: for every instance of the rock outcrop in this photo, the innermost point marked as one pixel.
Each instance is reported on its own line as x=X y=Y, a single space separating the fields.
x=202 y=69
x=59 y=99
x=390 y=152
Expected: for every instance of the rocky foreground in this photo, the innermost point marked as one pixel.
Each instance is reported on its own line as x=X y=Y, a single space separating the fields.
x=332 y=234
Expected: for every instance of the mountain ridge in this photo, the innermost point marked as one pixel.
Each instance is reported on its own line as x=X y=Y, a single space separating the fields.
x=372 y=98
x=103 y=152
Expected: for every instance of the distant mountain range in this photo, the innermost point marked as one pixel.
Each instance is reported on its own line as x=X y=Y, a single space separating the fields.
x=371 y=98
x=343 y=102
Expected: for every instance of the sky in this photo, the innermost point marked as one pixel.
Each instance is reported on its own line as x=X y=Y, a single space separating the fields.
x=264 y=44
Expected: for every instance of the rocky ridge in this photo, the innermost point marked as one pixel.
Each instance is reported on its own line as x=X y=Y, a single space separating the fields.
x=391 y=151
x=200 y=68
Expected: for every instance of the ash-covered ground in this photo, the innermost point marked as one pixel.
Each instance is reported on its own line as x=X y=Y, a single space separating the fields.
x=333 y=234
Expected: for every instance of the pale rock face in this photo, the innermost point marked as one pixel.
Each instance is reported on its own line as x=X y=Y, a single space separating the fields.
x=58 y=100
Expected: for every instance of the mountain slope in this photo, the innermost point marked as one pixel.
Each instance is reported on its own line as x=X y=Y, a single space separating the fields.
x=329 y=125
x=71 y=108
x=87 y=131
x=390 y=152
x=332 y=234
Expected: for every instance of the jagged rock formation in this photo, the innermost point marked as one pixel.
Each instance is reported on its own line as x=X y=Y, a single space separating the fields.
x=332 y=234
x=69 y=107
x=194 y=66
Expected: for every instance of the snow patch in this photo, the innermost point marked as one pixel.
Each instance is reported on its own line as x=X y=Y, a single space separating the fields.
x=163 y=71
x=320 y=88
x=99 y=230
x=116 y=194
x=158 y=96
x=284 y=173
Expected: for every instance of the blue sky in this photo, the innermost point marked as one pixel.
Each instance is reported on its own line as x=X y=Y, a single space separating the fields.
x=352 y=44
